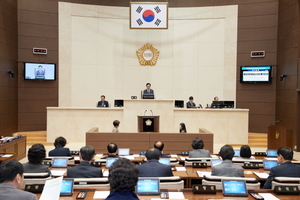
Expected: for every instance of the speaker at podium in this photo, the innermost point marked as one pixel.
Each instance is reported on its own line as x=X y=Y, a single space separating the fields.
x=148 y=123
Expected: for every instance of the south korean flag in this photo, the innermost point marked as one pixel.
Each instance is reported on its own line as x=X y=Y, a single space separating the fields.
x=149 y=15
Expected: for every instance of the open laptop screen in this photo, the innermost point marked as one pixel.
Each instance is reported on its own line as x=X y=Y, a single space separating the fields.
x=268 y=164
x=237 y=152
x=147 y=186
x=216 y=162
x=272 y=153
x=235 y=188
x=60 y=162
x=67 y=187
x=165 y=161
x=124 y=151
x=110 y=162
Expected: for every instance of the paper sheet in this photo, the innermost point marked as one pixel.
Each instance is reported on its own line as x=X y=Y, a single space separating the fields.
x=202 y=174
x=51 y=189
x=106 y=173
x=268 y=196
x=7 y=155
x=176 y=195
x=101 y=194
x=261 y=175
x=58 y=172
x=180 y=169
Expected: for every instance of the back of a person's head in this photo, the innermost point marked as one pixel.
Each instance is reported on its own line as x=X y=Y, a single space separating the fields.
x=123 y=176
x=226 y=152
x=36 y=153
x=153 y=153
x=245 y=151
x=159 y=145
x=60 y=142
x=112 y=148
x=286 y=152
x=197 y=143
x=9 y=170
x=116 y=123
x=87 y=153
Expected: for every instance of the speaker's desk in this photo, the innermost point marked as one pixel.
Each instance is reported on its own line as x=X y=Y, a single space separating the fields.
x=229 y=126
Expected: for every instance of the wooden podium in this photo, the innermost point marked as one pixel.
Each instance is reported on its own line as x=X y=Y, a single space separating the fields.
x=148 y=123
x=278 y=137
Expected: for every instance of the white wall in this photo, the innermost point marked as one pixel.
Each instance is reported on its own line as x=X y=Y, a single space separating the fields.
x=97 y=55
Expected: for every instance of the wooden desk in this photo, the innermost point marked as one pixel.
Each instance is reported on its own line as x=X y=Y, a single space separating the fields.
x=17 y=147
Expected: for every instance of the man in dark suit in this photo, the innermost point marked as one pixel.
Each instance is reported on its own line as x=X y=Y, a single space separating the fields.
x=227 y=168
x=84 y=169
x=190 y=103
x=60 y=150
x=148 y=89
x=112 y=149
x=102 y=103
x=160 y=146
x=152 y=168
x=286 y=167
x=12 y=181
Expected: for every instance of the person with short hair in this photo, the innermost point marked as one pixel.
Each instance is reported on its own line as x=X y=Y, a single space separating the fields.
x=227 y=168
x=152 y=168
x=160 y=146
x=245 y=151
x=123 y=176
x=116 y=124
x=84 y=169
x=60 y=150
x=112 y=149
x=102 y=102
x=12 y=182
x=148 y=89
x=36 y=154
x=190 y=103
x=182 y=128
x=198 y=151
x=285 y=168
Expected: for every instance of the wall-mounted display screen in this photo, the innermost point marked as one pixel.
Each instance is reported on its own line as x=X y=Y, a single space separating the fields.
x=255 y=74
x=39 y=71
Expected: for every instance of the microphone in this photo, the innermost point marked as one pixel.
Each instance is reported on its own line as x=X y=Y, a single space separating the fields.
x=151 y=112
x=145 y=112
x=275 y=122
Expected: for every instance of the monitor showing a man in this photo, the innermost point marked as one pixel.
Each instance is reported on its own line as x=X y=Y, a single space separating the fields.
x=148 y=93
x=152 y=168
x=12 y=182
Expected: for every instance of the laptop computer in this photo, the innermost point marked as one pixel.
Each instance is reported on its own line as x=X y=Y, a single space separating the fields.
x=268 y=164
x=165 y=161
x=147 y=186
x=110 y=162
x=124 y=152
x=237 y=152
x=271 y=153
x=216 y=162
x=67 y=187
x=60 y=162
x=234 y=188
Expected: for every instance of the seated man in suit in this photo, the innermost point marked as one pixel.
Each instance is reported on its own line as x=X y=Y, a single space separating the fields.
x=286 y=167
x=148 y=89
x=190 y=103
x=60 y=150
x=102 y=103
x=84 y=169
x=123 y=176
x=227 y=168
x=12 y=182
x=198 y=151
x=160 y=146
x=152 y=168
x=112 y=149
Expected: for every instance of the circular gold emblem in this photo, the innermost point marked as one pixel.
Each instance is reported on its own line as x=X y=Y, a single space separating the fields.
x=147 y=55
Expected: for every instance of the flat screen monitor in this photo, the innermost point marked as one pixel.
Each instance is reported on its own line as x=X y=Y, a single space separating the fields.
x=271 y=152
x=269 y=164
x=255 y=74
x=237 y=152
x=67 y=187
x=216 y=162
x=110 y=162
x=147 y=186
x=165 y=161
x=222 y=104
x=60 y=162
x=39 y=71
x=124 y=152
x=235 y=188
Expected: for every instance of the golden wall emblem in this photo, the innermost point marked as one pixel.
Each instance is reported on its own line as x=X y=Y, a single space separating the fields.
x=148 y=122
x=147 y=55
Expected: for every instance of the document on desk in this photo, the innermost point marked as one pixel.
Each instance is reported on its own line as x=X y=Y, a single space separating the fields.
x=60 y=172
x=51 y=189
x=202 y=174
x=261 y=175
x=180 y=169
x=106 y=173
x=268 y=196
x=101 y=194
x=7 y=155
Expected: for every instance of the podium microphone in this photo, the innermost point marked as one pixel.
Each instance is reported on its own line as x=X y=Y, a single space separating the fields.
x=145 y=112
x=275 y=122
x=151 y=112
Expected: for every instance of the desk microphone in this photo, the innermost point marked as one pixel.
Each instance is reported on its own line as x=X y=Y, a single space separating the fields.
x=145 y=112
x=275 y=122
x=151 y=112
